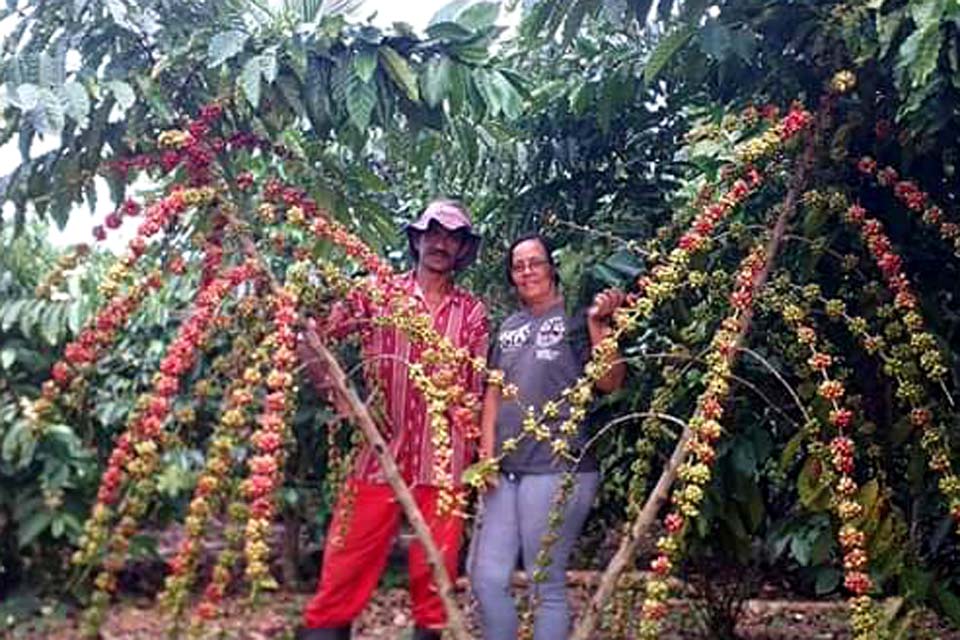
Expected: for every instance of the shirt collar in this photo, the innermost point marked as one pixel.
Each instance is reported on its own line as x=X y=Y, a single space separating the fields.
x=411 y=286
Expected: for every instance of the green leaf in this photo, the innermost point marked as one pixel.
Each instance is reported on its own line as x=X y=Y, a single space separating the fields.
x=575 y=17
x=435 y=81
x=249 y=82
x=224 y=46
x=789 y=453
x=268 y=66
x=484 y=86
x=7 y=357
x=479 y=16
x=811 y=488
x=360 y=99
x=919 y=53
x=887 y=28
x=399 y=71
x=76 y=316
x=123 y=92
x=448 y=31
x=950 y=603
x=869 y=494
x=50 y=113
x=448 y=12
x=580 y=99
x=51 y=324
x=626 y=263
x=26 y=97
x=34 y=525
x=754 y=506
x=927 y=12
x=715 y=39
x=77 y=102
x=508 y=96
x=19 y=445
x=262 y=66
x=365 y=64
x=828 y=579
x=11 y=312
x=29 y=316
x=665 y=51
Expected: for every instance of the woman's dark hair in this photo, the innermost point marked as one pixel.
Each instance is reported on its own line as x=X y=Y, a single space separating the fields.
x=547 y=249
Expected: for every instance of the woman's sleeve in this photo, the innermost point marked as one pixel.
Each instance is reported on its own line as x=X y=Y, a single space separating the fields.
x=579 y=337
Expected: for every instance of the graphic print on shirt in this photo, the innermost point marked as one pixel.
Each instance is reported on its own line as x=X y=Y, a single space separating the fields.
x=551 y=333
x=514 y=338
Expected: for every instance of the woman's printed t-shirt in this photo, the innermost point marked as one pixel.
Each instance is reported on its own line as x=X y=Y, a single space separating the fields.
x=542 y=355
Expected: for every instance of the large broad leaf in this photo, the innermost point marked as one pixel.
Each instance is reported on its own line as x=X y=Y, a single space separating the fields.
x=19 y=445
x=927 y=13
x=49 y=115
x=399 y=71
x=35 y=524
x=828 y=578
x=580 y=10
x=479 y=16
x=919 y=53
x=949 y=602
x=715 y=39
x=360 y=98
x=665 y=51
x=888 y=25
x=580 y=98
x=365 y=64
x=507 y=98
x=11 y=311
x=249 y=81
x=448 y=12
x=484 y=84
x=52 y=64
x=77 y=102
x=435 y=81
x=262 y=66
x=448 y=31
x=123 y=92
x=26 y=97
x=224 y=46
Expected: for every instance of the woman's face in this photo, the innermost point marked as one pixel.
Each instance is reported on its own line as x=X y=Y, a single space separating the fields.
x=531 y=272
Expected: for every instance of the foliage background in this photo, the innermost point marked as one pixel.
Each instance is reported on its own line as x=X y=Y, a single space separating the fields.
x=580 y=122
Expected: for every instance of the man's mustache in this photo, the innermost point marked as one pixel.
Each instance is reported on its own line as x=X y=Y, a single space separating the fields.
x=438 y=252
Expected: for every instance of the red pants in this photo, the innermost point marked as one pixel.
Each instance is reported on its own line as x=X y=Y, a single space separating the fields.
x=357 y=549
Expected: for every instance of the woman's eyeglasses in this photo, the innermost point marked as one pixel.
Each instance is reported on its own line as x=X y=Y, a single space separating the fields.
x=530 y=265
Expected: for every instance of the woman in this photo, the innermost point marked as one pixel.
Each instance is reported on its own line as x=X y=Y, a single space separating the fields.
x=542 y=350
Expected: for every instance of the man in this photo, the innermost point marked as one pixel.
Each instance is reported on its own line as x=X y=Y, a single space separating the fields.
x=367 y=516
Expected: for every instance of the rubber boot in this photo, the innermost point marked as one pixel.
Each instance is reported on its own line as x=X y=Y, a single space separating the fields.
x=334 y=633
x=420 y=633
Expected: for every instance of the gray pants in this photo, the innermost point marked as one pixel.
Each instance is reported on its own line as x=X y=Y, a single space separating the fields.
x=512 y=521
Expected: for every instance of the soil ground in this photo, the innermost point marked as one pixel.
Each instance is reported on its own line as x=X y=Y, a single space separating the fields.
x=387 y=617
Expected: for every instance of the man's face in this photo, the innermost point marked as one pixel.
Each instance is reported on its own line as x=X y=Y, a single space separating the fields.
x=439 y=248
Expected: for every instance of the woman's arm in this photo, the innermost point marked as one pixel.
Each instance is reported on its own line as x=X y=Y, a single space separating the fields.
x=488 y=421
x=598 y=326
